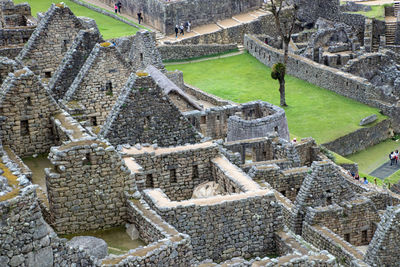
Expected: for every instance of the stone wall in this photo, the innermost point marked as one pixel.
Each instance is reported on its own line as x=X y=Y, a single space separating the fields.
x=50 y=41
x=323 y=238
x=7 y=65
x=265 y=149
x=143 y=52
x=164 y=15
x=144 y=114
x=27 y=240
x=180 y=52
x=15 y=36
x=27 y=107
x=332 y=79
x=257 y=119
x=308 y=151
x=345 y=84
x=264 y=24
x=286 y=182
x=355 y=220
x=77 y=202
x=13 y=15
x=176 y=171
x=99 y=83
x=324 y=185
x=166 y=246
x=383 y=248
x=361 y=138
x=222 y=228
x=73 y=62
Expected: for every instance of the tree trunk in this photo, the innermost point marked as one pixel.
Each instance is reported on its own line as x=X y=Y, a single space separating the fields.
x=286 y=54
x=282 y=92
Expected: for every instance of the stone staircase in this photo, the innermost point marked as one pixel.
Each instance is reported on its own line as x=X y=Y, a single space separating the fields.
x=390 y=32
x=396 y=9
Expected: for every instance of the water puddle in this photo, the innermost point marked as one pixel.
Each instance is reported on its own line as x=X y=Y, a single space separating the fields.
x=117 y=239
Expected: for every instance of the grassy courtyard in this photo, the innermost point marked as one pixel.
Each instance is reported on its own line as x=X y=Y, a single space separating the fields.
x=109 y=27
x=312 y=111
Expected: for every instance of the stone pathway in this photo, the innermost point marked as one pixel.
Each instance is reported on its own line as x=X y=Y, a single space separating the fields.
x=385 y=170
x=213 y=27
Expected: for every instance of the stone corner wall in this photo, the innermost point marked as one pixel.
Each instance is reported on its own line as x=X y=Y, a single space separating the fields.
x=77 y=203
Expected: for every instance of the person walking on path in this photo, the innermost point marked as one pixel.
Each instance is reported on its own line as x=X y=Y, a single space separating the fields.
x=182 y=29
x=392 y=158
x=115 y=8
x=119 y=5
x=396 y=156
x=176 y=30
x=188 y=26
x=139 y=16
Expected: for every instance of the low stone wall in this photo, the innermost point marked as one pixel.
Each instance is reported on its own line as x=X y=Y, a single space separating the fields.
x=329 y=78
x=253 y=126
x=322 y=238
x=201 y=95
x=166 y=246
x=179 y=52
x=223 y=227
x=345 y=84
x=361 y=139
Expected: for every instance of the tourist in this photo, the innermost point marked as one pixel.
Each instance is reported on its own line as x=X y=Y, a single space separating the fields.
x=176 y=30
x=119 y=5
x=182 y=29
x=294 y=140
x=392 y=158
x=188 y=26
x=115 y=8
x=396 y=156
x=139 y=16
x=365 y=180
x=357 y=177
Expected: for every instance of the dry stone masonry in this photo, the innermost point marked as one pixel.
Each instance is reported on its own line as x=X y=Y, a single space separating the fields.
x=132 y=142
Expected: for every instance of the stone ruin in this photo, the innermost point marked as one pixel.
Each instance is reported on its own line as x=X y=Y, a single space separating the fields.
x=129 y=143
x=16 y=26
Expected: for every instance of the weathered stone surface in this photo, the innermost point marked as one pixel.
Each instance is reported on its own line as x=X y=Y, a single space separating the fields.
x=94 y=246
x=368 y=120
x=132 y=231
x=207 y=189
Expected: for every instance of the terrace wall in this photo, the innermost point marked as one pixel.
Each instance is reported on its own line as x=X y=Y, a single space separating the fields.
x=227 y=227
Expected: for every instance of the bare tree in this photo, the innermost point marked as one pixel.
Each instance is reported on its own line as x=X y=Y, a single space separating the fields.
x=285 y=19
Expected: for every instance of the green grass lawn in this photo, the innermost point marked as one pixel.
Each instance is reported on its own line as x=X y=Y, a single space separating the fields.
x=371 y=158
x=376 y=12
x=312 y=111
x=109 y=27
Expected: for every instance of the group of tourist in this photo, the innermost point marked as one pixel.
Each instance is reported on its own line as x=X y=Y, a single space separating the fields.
x=117 y=7
x=356 y=177
x=181 y=29
x=394 y=157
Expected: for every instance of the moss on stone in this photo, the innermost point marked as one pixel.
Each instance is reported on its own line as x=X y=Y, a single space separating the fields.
x=12 y=181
